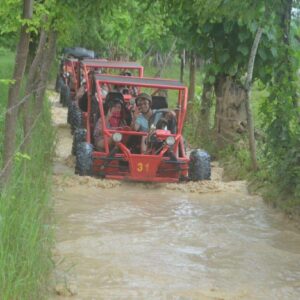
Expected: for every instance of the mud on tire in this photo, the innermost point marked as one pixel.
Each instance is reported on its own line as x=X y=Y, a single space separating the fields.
x=84 y=162
x=76 y=120
x=71 y=106
x=64 y=95
x=199 y=165
x=78 y=137
x=58 y=83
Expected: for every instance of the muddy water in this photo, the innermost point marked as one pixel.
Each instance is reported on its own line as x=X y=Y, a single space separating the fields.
x=207 y=240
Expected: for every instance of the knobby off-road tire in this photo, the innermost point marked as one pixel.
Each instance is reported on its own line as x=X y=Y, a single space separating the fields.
x=76 y=119
x=199 y=165
x=71 y=107
x=78 y=137
x=84 y=162
x=64 y=95
x=58 y=83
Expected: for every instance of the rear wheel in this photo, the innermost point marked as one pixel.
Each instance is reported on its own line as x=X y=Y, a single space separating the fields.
x=71 y=106
x=84 y=162
x=76 y=119
x=199 y=165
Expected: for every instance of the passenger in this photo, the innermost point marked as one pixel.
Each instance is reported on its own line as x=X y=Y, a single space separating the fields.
x=113 y=119
x=126 y=89
x=104 y=87
x=81 y=97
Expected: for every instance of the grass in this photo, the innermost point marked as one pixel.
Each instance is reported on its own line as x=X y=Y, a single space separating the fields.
x=25 y=210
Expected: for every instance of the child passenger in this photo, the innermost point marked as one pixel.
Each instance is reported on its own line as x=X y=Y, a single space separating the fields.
x=113 y=119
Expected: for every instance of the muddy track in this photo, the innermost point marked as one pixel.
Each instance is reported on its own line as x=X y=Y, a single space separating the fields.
x=203 y=240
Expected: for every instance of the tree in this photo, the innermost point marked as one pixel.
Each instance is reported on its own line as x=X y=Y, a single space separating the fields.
x=252 y=144
x=12 y=105
x=281 y=112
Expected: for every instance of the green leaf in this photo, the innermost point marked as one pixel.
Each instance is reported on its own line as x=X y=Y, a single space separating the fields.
x=224 y=57
x=22 y=156
x=274 y=51
x=243 y=35
x=211 y=79
x=232 y=70
x=7 y=81
x=243 y=49
x=262 y=53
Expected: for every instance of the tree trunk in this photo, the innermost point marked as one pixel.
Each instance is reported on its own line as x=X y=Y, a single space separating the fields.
x=45 y=70
x=204 y=115
x=250 y=122
x=285 y=13
x=147 y=55
x=13 y=95
x=192 y=86
x=182 y=65
x=31 y=86
x=230 y=118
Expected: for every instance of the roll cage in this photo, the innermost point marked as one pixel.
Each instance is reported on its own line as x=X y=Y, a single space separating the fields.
x=165 y=163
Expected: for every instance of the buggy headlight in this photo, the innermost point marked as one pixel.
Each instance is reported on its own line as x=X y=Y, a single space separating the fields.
x=117 y=137
x=170 y=140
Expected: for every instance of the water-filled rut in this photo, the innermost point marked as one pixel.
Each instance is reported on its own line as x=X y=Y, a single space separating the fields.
x=207 y=240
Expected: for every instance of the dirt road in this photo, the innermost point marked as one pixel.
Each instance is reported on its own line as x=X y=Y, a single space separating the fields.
x=205 y=240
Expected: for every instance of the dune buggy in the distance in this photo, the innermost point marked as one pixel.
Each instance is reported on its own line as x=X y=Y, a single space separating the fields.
x=65 y=79
x=165 y=158
x=86 y=68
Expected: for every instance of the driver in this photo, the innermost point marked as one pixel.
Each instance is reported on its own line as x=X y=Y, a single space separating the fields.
x=149 y=116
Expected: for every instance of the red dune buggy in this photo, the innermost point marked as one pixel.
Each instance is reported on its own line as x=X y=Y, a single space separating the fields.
x=68 y=65
x=165 y=158
x=83 y=73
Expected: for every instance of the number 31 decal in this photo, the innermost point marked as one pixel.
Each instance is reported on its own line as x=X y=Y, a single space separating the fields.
x=142 y=167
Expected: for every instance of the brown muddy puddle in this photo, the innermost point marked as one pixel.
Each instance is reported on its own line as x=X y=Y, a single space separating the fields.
x=208 y=240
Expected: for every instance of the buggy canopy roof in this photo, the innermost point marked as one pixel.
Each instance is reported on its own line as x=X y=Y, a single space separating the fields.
x=143 y=82
x=79 y=52
x=111 y=64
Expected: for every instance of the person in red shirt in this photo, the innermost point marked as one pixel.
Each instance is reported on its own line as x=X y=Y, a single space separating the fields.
x=113 y=119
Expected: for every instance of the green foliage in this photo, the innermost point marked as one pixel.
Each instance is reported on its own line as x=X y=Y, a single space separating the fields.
x=283 y=141
x=223 y=32
x=236 y=161
x=120 y=29
x=6 y=63
x=10 y=15
x=281 y=116
x=25 y=234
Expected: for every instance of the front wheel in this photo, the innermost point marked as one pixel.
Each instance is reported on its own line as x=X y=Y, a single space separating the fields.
x=78 y=137
x=84 y=161
x=58 y=83
x=65 y=95
x=199 y=165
